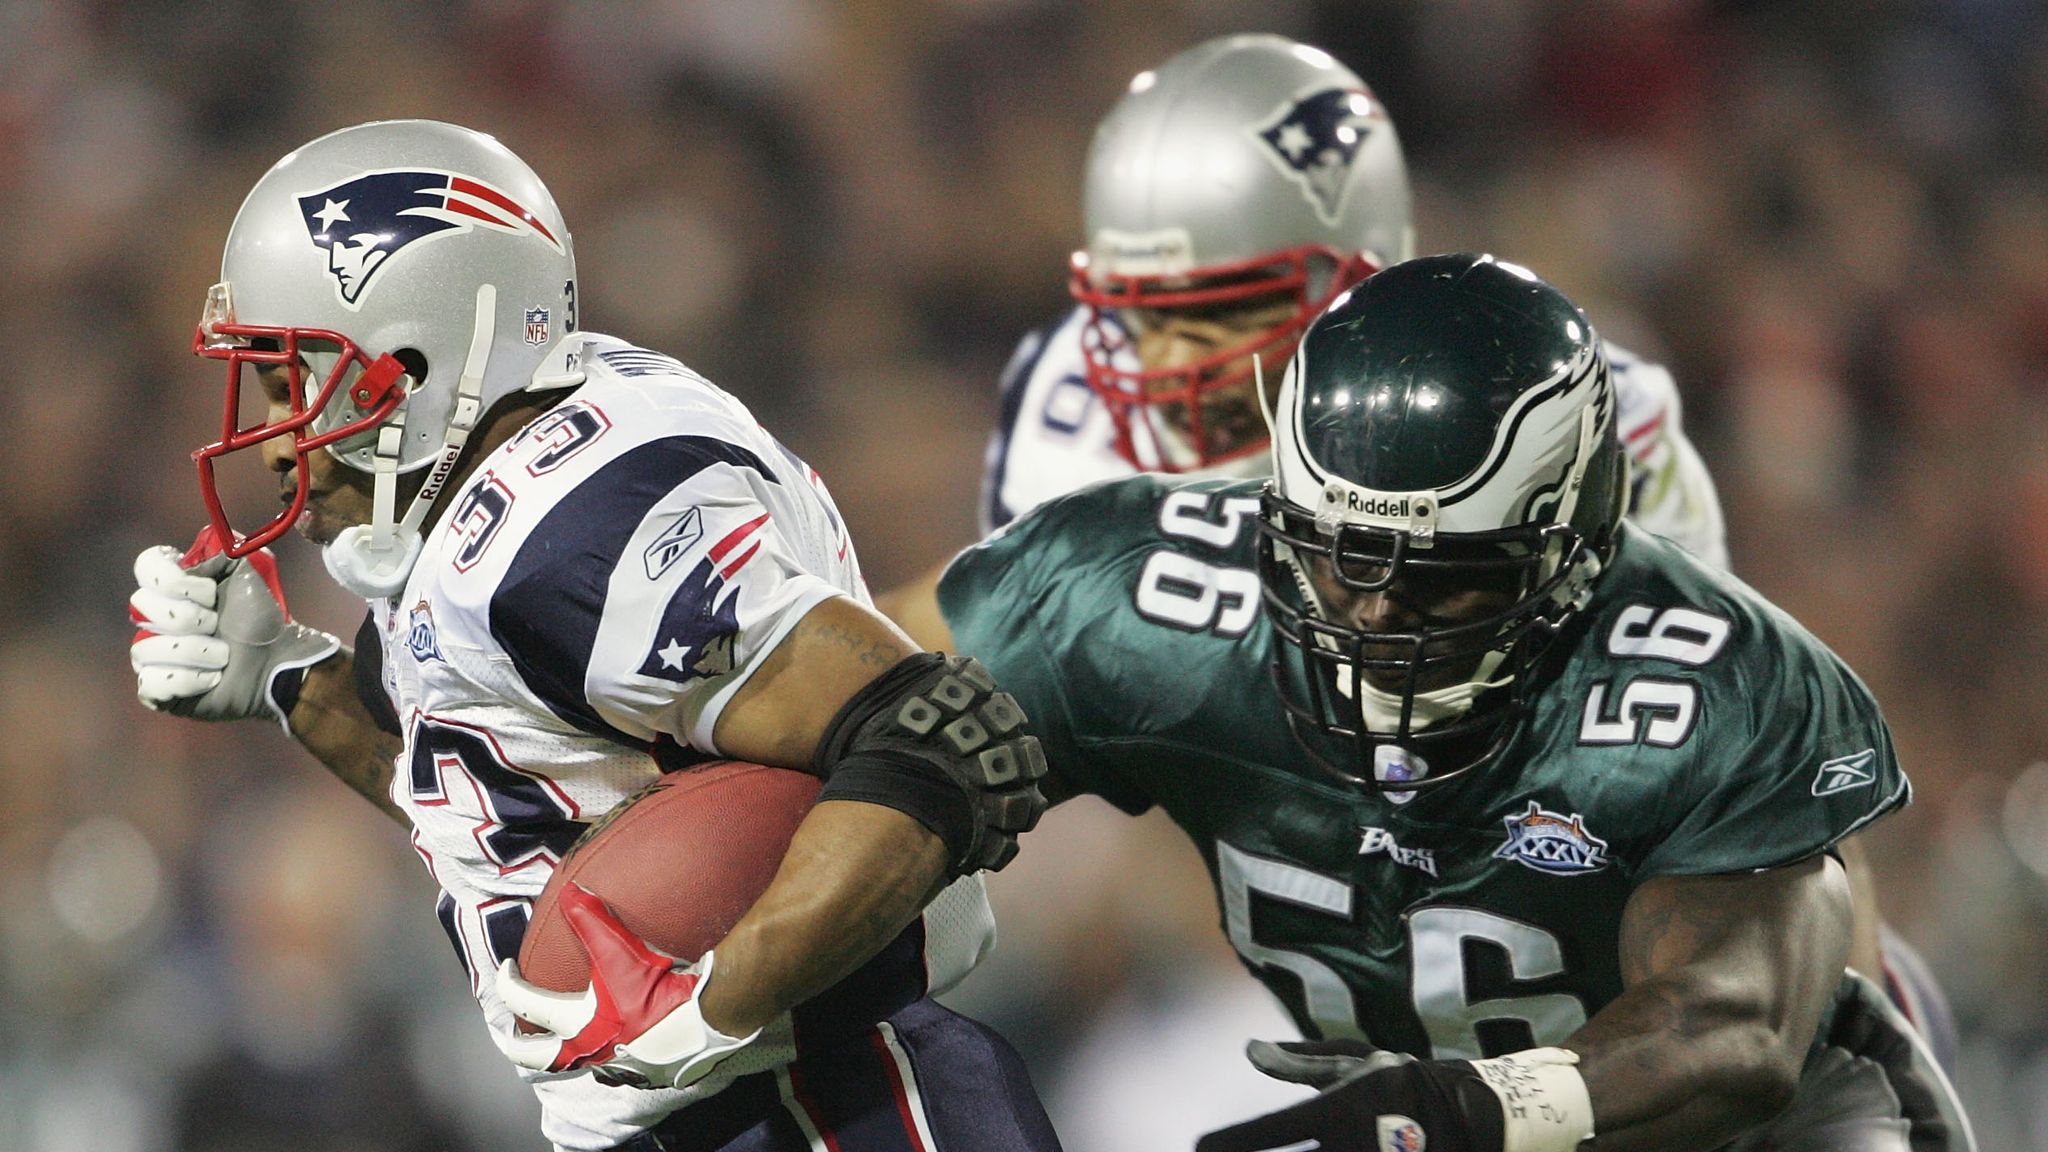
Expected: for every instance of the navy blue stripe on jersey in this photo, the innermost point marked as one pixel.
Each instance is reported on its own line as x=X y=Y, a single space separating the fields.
x=1016 y=381
x=855 y=1101
x=641 y=362
x=368 y=666
x=444 y=911
x=505 y=927
x=546 y=612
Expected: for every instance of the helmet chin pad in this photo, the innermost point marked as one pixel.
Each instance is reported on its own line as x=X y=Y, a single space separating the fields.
x=1381 y=710
x=356 y=563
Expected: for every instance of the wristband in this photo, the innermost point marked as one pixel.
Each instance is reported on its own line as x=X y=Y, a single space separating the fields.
x=1543 y=1099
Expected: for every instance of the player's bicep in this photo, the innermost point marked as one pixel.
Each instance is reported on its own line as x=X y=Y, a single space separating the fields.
x=781 y=713
x=1778 y=933
x=1726 y=978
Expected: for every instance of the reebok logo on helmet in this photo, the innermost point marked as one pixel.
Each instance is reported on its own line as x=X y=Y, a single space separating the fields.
x=362 y=223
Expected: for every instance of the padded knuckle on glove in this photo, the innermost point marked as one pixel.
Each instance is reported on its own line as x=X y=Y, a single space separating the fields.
x=942 y=719
x=171 y=615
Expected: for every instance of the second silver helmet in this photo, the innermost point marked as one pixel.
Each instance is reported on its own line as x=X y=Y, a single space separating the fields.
x=1242 y=168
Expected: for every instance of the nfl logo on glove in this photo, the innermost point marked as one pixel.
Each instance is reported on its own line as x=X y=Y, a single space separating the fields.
x=1400 y=1134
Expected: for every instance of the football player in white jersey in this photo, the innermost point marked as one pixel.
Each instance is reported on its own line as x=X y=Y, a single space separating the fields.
x=587 y=566
x=1230 y=195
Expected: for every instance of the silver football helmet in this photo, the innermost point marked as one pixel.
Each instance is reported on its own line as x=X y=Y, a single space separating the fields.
x=1246 y=168
x=407 y=275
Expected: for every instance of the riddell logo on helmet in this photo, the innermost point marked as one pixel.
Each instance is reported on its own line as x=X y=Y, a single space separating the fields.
x=1395 y=507
x=1166 y=252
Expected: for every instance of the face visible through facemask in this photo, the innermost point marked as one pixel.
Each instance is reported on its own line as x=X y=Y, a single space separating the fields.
x=1415 y=612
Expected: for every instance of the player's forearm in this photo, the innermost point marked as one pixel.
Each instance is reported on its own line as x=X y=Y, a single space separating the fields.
x=1674 y=1066
x=855 y=875
x=1727 y=978
x=331 y=722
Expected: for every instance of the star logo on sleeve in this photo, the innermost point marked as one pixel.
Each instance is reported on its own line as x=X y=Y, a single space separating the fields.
x=698 y=628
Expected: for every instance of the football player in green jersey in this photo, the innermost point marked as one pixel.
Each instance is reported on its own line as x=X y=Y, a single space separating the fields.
x=1527 y=815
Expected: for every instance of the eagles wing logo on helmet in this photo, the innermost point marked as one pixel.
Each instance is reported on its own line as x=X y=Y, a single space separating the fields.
x=363 y=222
x=1314 y=141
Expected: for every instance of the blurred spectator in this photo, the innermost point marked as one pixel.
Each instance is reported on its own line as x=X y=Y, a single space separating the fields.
x=1830 y=218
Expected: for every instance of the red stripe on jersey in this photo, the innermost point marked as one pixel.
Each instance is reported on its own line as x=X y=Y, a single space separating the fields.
x=1646 y=429
x=492 y=196
x=810 y=1107
x=896 y=1085
x=733 y=538
x=740 y=563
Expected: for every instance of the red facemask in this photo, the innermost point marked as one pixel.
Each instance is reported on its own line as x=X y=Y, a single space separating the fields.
x=1170 y=399
x=374 y=395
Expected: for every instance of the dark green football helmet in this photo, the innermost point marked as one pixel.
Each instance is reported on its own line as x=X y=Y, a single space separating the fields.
x=1447 y=483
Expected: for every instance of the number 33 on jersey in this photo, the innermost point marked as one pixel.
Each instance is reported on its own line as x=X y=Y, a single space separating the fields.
x=1685 y=727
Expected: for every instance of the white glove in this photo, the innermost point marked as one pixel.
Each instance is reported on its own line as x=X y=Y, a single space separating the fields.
x=215 y=639
x=637 y=1024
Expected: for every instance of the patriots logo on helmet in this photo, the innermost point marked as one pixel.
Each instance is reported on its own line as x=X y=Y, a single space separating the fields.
x=1314 y=141
x=362 y=223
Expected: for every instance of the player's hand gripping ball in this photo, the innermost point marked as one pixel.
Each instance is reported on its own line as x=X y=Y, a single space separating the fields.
x=665 y=875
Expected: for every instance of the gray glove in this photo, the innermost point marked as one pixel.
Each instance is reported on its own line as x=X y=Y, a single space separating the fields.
x=216 y=642
x=1321 y=1064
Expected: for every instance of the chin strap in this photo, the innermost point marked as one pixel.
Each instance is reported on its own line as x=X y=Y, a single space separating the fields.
x=374 y=560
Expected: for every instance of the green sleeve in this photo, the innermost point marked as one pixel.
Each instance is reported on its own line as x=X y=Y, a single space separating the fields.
x=996 y=598
x=1818 y=765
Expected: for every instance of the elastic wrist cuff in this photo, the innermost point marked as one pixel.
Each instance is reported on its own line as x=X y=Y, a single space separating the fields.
x=936 y=803
x=1543 y=1099
x=284 y=694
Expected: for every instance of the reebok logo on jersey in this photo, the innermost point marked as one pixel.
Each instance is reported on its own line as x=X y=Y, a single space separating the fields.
x=1375 y=840
x=1553 y=842
x=673 y=543
x=1845 y=772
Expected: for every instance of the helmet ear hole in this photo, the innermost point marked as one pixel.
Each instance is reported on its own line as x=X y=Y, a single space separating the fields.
x=415 y=363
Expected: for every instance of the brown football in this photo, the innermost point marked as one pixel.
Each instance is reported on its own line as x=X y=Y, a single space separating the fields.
x=678 y=863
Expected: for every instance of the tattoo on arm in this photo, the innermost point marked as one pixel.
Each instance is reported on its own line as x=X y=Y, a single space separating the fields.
x=861 y=648
x=1726 y=978
x=331 y=722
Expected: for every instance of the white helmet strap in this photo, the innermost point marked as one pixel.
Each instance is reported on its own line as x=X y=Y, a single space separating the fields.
x=374 y=561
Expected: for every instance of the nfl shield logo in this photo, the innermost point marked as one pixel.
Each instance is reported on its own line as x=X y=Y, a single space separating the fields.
x=536 y=326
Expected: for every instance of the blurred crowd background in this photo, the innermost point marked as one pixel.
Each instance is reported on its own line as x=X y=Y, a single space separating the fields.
x=1830 y=218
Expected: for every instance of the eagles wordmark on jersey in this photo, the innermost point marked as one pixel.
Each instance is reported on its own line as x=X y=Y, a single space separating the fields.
x=1686 y=727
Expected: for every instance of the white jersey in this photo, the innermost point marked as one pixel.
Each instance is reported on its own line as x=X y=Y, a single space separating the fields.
x=597 y=593
x=1054 y=436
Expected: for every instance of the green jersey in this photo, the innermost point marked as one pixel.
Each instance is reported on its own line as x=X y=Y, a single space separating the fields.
x=1683 y=726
